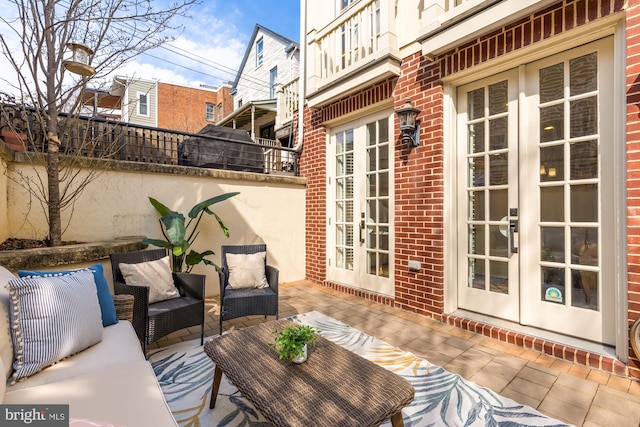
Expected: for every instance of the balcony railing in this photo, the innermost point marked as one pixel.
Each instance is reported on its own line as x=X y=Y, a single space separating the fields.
x=102 y=139
x=363 y=35
x=456 y=8
x=287 y=102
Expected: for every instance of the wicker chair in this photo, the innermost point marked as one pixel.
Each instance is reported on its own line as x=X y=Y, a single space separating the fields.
x=246 y=302
x=154 y=321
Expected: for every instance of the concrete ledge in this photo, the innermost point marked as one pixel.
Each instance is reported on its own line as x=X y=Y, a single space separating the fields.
x=31 y=259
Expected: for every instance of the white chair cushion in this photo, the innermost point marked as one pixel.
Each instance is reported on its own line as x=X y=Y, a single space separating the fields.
x=155 y=274
x=247 y=271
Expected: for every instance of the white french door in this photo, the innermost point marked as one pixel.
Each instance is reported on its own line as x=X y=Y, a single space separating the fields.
x=535 y=195
x=360 y=189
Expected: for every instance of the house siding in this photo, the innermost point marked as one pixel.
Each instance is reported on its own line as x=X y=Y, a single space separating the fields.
x=419 y=173
x=253 y=84
x=146 y=87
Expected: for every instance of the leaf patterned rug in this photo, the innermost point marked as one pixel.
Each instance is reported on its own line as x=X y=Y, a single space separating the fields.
x=185 y=374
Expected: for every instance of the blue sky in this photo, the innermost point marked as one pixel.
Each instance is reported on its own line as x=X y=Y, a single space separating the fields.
x=215 y=37
x=207 y=52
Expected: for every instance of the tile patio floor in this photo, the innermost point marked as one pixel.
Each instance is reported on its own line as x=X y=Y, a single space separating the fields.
x=569 y=392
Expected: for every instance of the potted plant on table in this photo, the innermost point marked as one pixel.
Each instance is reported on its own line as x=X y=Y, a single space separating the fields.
x=292 y=342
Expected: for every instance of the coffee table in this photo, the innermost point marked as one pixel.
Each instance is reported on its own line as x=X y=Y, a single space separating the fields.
x=334 y=387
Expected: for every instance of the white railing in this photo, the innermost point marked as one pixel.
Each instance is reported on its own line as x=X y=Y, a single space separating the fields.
x=454 y=9
x=287 y=102
x=351 y=39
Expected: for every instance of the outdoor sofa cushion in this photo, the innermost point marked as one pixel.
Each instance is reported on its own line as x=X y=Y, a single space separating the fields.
x=123 y=395
x=107 y=307
x=6 y=343
x=52 y=318
x=119 y=346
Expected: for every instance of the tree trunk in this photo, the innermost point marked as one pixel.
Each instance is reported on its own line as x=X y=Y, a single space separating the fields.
x=53 y=142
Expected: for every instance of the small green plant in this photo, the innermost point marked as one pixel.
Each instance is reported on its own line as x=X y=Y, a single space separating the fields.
x=291 y=340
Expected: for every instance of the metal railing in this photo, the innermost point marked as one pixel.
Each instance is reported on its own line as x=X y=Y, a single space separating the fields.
x=104 y=139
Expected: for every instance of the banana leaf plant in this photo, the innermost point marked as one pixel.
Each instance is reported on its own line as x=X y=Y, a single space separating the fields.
x=180 y=233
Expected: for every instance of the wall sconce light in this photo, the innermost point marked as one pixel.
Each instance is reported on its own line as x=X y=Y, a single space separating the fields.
x=409 y=126
x=79 y=62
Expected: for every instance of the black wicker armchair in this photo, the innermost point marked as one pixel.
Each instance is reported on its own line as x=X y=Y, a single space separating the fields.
x=246 y=302
x=154 y=321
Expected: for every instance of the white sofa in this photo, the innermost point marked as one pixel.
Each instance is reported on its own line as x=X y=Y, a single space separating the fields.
x=109 y=382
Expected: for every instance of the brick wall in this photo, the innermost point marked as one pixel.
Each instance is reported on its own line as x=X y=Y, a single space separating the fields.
x=419 y=207
x=184 y=108
x=313 y=166
x=633 y=169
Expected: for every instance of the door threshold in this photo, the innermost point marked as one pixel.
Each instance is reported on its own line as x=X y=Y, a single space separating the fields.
x=577 y=343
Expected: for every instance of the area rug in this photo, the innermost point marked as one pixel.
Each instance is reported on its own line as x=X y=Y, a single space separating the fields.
x=442 y=398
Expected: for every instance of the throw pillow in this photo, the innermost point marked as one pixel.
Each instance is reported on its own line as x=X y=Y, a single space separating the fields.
x=52 y=318
x=246 y=271
x=155 y=274
x=107 y=307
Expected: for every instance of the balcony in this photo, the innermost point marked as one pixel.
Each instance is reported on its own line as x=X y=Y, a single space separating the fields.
x=449 y=23
x=356 y=49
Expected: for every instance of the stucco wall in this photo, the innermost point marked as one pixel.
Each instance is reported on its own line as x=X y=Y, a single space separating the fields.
x=4 y=215
x=269 y=209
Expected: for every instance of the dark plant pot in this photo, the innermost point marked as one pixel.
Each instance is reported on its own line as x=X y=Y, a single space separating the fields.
x=13 y=140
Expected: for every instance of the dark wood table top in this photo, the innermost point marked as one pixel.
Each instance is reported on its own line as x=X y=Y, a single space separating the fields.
x=334 y=387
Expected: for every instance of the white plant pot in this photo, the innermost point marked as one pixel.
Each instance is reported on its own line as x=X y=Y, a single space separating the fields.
x=300 y=359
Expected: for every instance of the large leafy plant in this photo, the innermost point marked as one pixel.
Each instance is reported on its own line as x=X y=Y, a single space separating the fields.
x=180 y=233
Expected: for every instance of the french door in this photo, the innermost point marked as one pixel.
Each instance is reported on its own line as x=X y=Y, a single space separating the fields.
x=360 y=194
x=535 y=195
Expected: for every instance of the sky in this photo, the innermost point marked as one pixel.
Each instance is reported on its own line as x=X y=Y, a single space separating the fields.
x=211 y=46
x=217 y=34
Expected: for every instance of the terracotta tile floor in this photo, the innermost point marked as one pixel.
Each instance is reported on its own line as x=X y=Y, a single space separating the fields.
x=572 y=393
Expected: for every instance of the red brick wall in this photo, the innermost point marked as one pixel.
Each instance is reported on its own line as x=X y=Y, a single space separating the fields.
x=419 y=204
x=633 y=169
x=419 y=172
x=313 y=166
x=183 y=108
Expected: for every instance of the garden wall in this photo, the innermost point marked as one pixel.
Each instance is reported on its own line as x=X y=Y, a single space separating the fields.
x=269 y=209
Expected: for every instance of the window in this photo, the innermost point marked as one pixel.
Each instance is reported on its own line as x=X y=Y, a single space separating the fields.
x=345 y=3
x=259 y=52
x=211 y=112
x=273 y=82
x=143 y=104
x=219 y=111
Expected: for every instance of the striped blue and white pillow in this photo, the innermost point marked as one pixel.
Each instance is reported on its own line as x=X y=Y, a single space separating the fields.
x=52 y=318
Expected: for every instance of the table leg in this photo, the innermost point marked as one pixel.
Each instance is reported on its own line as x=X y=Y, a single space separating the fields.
x=396 y=419
x=217 y=376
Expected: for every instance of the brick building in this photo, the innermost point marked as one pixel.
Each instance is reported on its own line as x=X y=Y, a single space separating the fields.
x=516 y=215
x=163 y=105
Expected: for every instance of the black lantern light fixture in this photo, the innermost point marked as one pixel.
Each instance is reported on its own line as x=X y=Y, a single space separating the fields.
x=79 y=62
x=409 y=126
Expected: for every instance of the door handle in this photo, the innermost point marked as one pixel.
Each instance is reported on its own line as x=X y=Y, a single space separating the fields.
x=362 y=228
x=513 y=229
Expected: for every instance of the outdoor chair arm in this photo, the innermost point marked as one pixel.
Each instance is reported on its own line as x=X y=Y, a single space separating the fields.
x=140 y=305
x=189 y=284
x=223 y=276
x=272 y=274
x=124 y=306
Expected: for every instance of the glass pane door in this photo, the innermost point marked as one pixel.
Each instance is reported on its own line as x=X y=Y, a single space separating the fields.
x=360 y=235
x=488 y=121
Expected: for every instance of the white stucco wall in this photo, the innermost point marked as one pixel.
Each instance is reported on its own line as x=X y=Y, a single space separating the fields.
x=4 y=208
x=268 y=209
